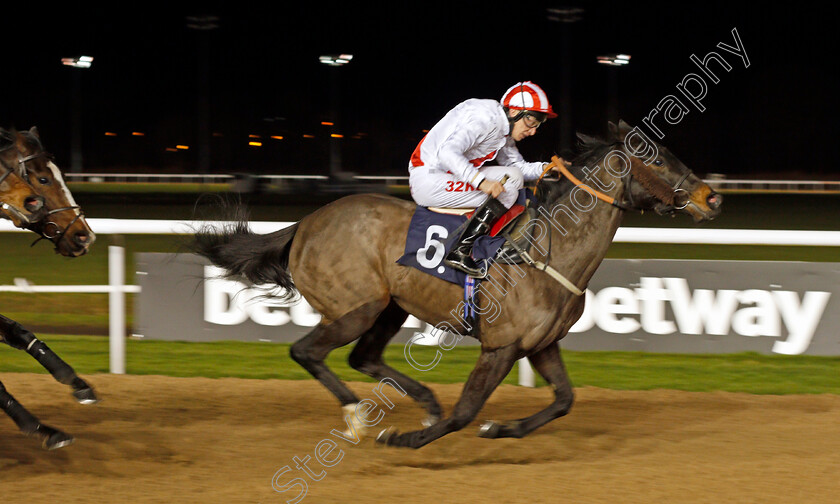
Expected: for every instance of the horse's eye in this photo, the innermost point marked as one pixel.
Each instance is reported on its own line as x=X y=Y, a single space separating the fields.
x=43 y=180
x=658 y=162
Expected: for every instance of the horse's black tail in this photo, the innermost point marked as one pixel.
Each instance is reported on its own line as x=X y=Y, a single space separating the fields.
x=260 y=259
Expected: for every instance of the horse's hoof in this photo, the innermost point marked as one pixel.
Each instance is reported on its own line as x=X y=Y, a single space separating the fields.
x=386 y=436
x=54 y=438
x=489 y=429
x=430 y=420
x=85 y=396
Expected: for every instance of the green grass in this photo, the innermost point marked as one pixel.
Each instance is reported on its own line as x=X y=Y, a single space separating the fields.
x=746 y=372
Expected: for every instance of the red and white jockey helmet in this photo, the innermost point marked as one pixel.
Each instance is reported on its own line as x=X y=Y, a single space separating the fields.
x=527 y=96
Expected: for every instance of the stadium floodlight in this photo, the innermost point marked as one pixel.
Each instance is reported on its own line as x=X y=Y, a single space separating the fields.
x=80 y=62
x=614 y=59
x=335 y=59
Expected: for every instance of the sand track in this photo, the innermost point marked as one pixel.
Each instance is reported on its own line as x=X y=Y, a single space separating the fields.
x=191 y=440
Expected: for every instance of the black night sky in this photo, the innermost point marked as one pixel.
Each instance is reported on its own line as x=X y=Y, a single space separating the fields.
x=412 y=63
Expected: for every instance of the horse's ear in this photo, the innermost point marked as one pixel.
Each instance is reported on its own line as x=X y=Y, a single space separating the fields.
x=613 y=129
x=585 y=138
x=623 y=129
x=34 y=131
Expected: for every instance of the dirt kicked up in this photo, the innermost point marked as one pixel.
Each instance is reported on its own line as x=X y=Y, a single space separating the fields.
x=197 y=440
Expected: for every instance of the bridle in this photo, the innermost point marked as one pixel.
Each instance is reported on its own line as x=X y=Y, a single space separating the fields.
x=59 y=233
x=48 y=230
x=3 y=205
x=646 y=178
x=653 y=183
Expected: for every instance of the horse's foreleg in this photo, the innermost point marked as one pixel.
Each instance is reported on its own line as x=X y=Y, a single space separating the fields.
x=16 y=336
x=489 y=371
x=549 y=364
x=366 y=358
x=31 y=426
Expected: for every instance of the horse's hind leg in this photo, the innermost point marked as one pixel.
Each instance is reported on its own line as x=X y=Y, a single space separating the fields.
x=489 y=371
x=366 y=358
x=16 y=336
x=29 y=425
x=549 y=364
x=312 y=349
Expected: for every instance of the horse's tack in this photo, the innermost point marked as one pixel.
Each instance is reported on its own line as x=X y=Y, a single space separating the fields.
x=553 y=273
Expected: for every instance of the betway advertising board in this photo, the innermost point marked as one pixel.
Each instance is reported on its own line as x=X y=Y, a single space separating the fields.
x=675 y=306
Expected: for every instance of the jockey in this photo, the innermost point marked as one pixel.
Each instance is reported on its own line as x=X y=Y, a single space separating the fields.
x=447 y=168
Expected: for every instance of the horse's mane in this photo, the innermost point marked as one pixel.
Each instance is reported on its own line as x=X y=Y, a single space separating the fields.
x=588 y=151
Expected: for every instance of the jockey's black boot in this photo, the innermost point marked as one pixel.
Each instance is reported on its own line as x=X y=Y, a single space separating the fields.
x=460 y=257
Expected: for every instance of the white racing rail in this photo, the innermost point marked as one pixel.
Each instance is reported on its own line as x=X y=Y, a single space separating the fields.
x=721 y=184
x=117 y=289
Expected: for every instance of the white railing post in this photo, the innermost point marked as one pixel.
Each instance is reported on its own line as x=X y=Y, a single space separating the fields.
x=526 y=373
x=116 y=308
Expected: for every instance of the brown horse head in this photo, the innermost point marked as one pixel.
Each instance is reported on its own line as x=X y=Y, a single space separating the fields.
x=659 y=181
x=18 y=201
x=64 y=223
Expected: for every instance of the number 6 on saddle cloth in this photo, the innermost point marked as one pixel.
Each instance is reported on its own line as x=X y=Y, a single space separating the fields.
x=431 y=235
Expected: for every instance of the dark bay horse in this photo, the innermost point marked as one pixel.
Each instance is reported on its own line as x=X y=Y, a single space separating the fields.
x=342 y=258
x=61 y=221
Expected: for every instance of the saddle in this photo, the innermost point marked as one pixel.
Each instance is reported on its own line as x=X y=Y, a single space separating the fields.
x=515 y=225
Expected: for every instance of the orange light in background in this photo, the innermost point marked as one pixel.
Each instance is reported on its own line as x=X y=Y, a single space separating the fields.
x=327 y=123
x=277 y=137
x=109 y=133
x=137 y=133
x=171 y=149
x=182 y=147
x=336 y=135
x=254 y=136
x=255 y=144
x=308 y=136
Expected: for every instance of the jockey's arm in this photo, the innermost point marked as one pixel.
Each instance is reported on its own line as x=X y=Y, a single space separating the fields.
x=510 y=156
x=452 y=152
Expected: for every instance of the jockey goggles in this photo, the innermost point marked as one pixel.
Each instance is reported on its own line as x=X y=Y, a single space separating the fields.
x=533 y=119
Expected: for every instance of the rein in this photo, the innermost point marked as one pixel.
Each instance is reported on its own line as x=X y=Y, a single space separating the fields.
x=654 y=184
x=60 y=233
x=46 y=230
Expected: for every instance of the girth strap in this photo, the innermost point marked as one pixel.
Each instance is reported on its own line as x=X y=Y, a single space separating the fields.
x=553 y=273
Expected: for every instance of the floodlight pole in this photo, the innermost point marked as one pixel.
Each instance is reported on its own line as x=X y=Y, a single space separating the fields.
x=566 y=16
x=336 y=60
x=203 y=25
x=81 y=63
x=613 y=62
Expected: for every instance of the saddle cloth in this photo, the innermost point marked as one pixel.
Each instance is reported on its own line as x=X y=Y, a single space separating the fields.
x=432 y=234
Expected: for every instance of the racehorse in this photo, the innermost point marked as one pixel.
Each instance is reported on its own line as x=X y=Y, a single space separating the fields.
x=342 y=259
x=63 y=223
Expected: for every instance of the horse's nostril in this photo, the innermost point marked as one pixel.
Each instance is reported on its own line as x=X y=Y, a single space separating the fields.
x=714 y=200
x=81 y=238
x=33 y=203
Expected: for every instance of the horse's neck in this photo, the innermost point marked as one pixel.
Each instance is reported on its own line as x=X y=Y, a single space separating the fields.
x=582 y=227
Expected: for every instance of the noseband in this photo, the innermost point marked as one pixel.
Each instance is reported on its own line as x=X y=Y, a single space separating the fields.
x=59 y=233
x=645 y=177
